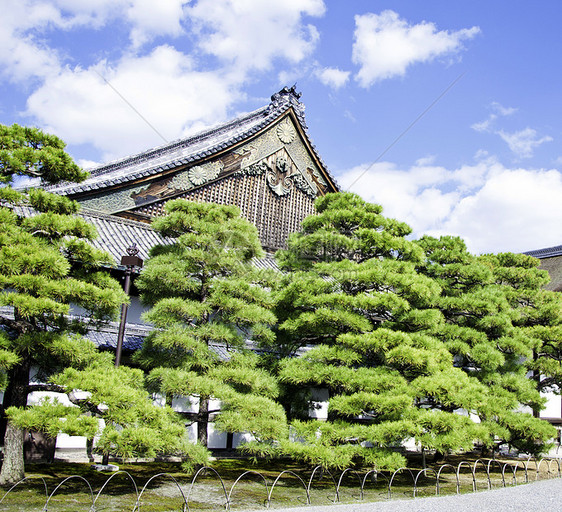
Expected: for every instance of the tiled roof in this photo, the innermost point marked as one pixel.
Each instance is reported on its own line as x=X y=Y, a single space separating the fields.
x=191 y=149
x=116 y=234
x=106 y=339
x=549 y=252
x=268 y=262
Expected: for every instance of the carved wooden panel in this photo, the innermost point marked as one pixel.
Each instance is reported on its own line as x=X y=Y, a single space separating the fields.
x=272 y=178
x=275 y=216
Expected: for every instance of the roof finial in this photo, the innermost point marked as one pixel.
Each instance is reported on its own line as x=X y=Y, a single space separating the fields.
x=287 y=91
x=294 y=91
x=133 y=250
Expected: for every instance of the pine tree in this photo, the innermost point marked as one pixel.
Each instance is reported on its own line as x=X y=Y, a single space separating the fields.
x=359 y=315
x=46 y=265
x=208 y=299
x=495 y=314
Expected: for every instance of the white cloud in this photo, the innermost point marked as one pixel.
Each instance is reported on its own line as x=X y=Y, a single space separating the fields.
x=348 y=114
x=24 y=23
x=21 y=57
x=144 y=18
x=426 y=160
x=176 y=92
x=492 y=207
x=501 y=110
x=164 y=86
x=523 y=142
x=498 y=110
x=292 y=74
x=484 y=126
x=150 y=19
x=516 y=210
x=87 y=164
x=408 y=195
x=333 y=77
x=22 y=60
x=385 y=45
x=250 y=34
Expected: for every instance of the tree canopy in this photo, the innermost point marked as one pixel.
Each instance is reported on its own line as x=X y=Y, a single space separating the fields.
x=495 y=311
x=372 y=317
x=207 y=302
x=48 y=267
x=32 y=153
x=413 y=340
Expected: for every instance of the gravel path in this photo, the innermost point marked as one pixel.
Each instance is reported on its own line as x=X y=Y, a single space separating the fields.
x=542 y=496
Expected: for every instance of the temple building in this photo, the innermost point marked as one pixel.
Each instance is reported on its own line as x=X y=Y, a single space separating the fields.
x=551 y=261
x=263 y=162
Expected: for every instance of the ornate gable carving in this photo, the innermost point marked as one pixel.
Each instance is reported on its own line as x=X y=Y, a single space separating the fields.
x=278 y=177
x=278 y=153
x=281 y=175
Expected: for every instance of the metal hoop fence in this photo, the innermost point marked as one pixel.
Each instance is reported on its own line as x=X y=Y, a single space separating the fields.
x=407 y=480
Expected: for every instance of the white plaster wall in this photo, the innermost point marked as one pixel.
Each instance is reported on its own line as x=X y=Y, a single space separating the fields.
x=192 y=432
x=410 y=444
x=190 y=404
x=216 y=439
x=64 y=441
x=553 y=407
x=240 y=438
x=185 y=404
x=319 y=404
x=36 y=396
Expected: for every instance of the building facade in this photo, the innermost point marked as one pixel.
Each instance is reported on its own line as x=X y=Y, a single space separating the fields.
x=263 y=162
x=551 y=261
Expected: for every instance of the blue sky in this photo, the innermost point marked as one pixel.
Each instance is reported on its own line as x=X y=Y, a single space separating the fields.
x=483 y=162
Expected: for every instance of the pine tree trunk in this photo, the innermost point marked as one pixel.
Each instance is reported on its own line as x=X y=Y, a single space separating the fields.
x=203 y=421
x=537 y=379
x=90 y=449
x=13 y=468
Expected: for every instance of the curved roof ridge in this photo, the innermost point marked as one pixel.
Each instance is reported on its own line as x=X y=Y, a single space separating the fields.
x=191 y=149
x=178 y=143
x=548 y=252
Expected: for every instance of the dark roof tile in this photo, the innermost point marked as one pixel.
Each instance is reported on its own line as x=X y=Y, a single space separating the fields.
x=192 y=148
x=549 y=252
x=106 y=339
